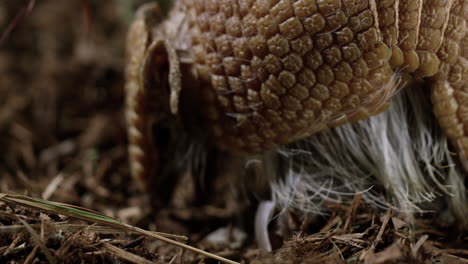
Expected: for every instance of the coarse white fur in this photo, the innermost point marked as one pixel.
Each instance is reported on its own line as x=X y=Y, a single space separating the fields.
x=398 y=159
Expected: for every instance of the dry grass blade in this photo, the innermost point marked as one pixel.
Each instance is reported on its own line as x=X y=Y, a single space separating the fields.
x=39 y=242
x=415 y=248
x=89 y=215
x=76 y=212
x=352 y=211
x=385 y=220
x=31 y=255
x=24 y=11
x=98 y=229
x=124 y=254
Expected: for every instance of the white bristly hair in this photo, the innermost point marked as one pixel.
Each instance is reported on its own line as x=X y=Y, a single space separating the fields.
x=397 y=159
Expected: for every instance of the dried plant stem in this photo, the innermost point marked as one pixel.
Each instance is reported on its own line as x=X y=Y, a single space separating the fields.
x=89 y=215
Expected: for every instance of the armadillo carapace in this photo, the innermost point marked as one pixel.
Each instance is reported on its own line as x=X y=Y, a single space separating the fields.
x=258 y=74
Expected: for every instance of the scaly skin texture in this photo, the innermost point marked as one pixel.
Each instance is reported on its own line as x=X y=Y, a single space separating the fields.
x=449 y=91
x=276 y=71
x=264 y=73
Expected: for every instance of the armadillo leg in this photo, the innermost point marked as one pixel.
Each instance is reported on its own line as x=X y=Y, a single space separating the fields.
x=450 y=87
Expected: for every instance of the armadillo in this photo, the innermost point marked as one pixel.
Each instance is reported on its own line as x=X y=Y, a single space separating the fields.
x=253 y=77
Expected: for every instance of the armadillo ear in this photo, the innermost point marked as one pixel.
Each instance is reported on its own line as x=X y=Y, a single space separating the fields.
x=162 y=64
x=153 y=56
x=150 y=14
x=152 y=97
x=166 y=139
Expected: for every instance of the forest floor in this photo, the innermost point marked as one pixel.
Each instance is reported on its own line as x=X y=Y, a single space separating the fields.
x=63 y=139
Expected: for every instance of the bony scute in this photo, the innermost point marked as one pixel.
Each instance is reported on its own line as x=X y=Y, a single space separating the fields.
x=251 y=76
